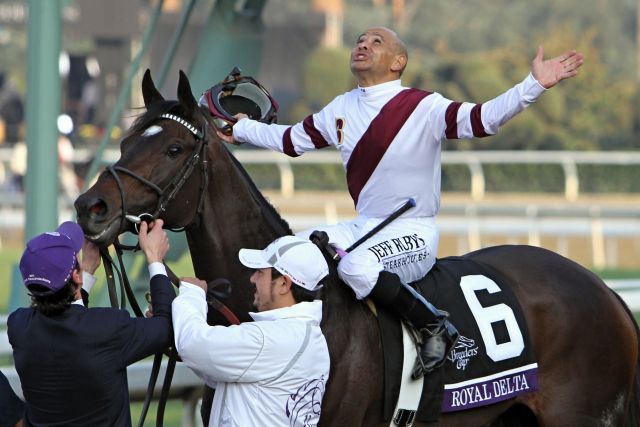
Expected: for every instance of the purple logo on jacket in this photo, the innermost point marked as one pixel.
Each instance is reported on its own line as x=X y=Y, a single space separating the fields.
x=303 y=406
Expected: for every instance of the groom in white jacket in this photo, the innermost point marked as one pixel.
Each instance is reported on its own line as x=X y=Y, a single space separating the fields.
x=273 y=371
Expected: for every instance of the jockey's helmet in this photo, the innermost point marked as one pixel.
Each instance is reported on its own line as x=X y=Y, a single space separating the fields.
x=238 y=94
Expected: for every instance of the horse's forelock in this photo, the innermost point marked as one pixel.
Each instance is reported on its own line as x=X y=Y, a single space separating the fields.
x=157 y=109
x=151 y=115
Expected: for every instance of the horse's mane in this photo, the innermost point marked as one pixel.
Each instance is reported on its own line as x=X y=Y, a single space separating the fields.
x=280 y=226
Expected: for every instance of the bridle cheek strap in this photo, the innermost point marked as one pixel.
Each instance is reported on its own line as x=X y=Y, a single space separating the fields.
x=113 y=170
x=176 y=184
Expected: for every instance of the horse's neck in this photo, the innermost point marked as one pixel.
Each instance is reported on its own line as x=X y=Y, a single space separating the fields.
x=232 y=218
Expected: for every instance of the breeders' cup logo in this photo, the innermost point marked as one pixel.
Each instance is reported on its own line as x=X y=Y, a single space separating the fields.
x=462 y=353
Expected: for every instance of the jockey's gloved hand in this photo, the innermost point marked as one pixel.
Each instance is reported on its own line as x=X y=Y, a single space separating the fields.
x=321 y=240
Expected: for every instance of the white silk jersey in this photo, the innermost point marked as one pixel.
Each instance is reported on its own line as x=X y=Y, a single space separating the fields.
x=389 y=139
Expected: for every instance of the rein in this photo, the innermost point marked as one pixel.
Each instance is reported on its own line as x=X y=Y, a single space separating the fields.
x=165 y=196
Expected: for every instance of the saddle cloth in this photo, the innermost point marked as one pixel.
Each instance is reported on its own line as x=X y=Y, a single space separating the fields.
x=493 y=359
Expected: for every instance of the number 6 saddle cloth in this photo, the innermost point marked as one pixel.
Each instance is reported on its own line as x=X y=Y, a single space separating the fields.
x=493 y=359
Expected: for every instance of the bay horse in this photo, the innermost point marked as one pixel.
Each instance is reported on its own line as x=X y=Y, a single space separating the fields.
x=173 y=166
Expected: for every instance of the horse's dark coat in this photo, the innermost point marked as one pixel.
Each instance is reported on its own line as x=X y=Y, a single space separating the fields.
x=585 y=340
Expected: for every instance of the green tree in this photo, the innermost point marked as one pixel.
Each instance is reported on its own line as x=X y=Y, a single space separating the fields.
x=326 y=75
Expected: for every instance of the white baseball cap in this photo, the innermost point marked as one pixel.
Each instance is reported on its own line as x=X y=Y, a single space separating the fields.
x=292 y=256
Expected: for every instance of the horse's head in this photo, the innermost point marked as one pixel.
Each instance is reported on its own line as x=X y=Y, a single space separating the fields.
x=164 y=150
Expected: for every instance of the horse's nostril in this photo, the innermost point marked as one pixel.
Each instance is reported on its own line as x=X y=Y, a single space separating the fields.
x=91 y=208
x=99 y=208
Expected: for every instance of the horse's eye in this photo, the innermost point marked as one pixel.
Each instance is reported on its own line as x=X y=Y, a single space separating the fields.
x=174 y=151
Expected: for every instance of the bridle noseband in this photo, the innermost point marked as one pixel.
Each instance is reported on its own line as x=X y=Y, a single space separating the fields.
x=167 y=194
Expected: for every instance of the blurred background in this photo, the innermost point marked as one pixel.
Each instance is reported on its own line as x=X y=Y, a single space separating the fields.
x=563 y=175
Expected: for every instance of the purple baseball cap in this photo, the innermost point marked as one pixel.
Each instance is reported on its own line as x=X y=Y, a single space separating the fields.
x=49 y=258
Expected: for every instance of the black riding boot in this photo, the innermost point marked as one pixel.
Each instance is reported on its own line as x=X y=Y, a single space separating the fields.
x=438 y=334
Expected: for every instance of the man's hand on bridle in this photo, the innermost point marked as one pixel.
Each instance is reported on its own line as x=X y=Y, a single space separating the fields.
x=154 y=241
x=90 y=257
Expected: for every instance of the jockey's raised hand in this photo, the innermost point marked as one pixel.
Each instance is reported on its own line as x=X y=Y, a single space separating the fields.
x=229 y=138
x=550 y=72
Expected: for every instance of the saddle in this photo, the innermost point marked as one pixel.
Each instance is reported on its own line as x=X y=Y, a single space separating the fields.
x=493 y=359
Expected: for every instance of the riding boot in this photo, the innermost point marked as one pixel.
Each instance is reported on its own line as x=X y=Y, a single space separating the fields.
x=439 y=336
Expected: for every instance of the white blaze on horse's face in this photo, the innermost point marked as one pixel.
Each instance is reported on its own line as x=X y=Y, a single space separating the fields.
x=150 y=131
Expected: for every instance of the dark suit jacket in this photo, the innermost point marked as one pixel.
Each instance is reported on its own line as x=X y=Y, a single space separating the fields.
x=11 y=407
x=73 y=366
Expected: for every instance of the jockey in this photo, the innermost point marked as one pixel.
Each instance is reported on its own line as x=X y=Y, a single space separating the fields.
x=389 y=138
x=272 y=371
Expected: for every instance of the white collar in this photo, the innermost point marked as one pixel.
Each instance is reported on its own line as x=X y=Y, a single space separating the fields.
x=309 y=311
x=369 y=91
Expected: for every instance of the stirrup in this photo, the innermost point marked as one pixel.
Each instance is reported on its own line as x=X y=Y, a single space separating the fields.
x=420 y=369
x=448 y=334
x=437 y=326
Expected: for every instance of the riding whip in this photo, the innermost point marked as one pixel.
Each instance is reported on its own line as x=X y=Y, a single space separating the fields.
x=321 y=238
x=402 y=209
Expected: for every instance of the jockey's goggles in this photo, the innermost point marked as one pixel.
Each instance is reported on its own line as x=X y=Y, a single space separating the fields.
x=238 y=94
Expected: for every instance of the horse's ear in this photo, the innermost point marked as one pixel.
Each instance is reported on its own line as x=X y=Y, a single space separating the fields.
x=149 y=91
x=185 y=96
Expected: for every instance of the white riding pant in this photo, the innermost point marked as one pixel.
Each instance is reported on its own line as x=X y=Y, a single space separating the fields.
x=406 y=246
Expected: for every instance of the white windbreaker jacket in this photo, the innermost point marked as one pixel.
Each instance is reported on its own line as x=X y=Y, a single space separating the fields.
x=271 y=372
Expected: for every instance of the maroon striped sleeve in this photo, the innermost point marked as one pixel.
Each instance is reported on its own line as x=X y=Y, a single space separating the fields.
x=314 y=134
x=375 y=141
x=476 y=122
x=287 y=144
x=451 y=120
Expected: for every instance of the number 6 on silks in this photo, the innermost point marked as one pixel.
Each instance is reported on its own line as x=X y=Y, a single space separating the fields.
x=485 y=316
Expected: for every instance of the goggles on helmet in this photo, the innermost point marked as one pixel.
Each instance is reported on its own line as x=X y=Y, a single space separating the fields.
x=238 y=94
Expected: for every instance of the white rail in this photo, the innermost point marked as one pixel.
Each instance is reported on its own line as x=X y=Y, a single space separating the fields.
x=474 y=160
x=471 y=218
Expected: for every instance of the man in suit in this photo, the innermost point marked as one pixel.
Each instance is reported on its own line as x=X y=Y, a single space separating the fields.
x=11 y=407
x=72 y=360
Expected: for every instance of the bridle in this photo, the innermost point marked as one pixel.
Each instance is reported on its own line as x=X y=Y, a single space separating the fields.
x=168 y=193
x=165 y=196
